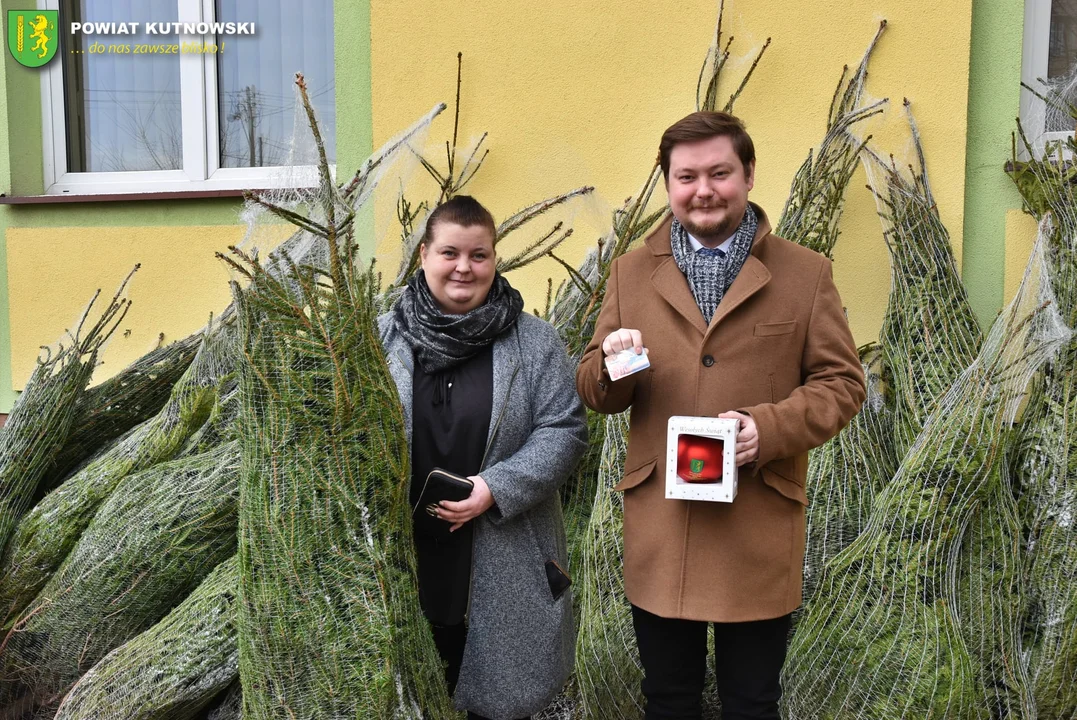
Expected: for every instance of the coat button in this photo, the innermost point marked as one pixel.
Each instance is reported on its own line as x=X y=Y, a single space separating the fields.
x=708 y=360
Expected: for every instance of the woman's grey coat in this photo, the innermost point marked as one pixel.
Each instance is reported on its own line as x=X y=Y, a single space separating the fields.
x=521 y=642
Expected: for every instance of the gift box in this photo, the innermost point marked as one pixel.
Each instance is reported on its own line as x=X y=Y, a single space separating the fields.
x=701 y=460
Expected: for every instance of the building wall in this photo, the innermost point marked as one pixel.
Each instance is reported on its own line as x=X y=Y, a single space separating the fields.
x=571 y=94
x=578 y=94
x=53 y=257
x=1020 y=237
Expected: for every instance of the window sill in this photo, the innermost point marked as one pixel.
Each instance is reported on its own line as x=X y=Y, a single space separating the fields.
x=63 y=198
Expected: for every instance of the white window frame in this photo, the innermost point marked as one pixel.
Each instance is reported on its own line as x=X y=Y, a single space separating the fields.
x=200 y=123
x=1034 y=65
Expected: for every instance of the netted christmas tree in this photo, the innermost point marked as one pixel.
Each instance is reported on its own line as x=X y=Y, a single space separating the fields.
x=329 y=621
x=154 y=540
x=885 y=634
x=846 y=473
x=44 y=415
x=108 y=410
x=45 y=536
x=172 y=670
x=929 y=334
x=1046 y=464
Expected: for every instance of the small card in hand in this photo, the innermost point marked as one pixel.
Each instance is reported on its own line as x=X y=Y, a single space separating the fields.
x=626 y=363
x=440 y=485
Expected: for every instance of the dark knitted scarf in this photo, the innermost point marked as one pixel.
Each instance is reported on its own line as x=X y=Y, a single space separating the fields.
x=710 y=275
x=442 y=341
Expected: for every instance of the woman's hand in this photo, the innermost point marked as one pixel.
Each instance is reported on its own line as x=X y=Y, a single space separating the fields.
x=458 y=513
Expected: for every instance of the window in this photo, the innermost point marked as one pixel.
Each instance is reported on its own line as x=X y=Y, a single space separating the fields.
x=219 y=116
x=1050 y=54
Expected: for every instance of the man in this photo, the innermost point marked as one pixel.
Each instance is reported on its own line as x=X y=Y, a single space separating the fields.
x=737 y=323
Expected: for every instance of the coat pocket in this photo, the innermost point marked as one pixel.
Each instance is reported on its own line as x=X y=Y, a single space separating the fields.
x=780 y=475
x=635 y=477
x=775 y=328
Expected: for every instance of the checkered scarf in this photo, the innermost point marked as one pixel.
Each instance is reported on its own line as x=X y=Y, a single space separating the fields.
x=709 y=275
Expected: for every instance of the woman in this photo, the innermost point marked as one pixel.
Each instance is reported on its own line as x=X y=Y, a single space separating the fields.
x=488 y=393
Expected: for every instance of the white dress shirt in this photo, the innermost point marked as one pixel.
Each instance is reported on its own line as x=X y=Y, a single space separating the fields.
x=697 y=245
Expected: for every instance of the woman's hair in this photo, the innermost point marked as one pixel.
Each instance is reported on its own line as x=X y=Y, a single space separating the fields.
x=462 y=210
x=704 y=125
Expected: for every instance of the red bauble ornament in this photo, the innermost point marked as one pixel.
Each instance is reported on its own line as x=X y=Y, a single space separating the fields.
x=699 y=459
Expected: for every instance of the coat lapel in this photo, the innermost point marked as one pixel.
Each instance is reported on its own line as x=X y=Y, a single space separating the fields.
x=752 y=277
x=401 y=366
x=506 y=363
x=669 y=282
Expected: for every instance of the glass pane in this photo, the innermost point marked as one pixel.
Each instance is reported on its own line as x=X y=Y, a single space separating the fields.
x=123 y=109
x=257 y=76
x=1061 y=59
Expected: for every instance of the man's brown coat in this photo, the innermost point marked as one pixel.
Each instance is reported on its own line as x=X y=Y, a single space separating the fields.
x=777 y=348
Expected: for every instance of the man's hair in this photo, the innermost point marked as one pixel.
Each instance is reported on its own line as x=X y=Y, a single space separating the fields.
x=462 y=210
x=703 y=126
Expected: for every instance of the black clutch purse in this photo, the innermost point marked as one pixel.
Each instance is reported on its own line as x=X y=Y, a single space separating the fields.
x=558 y=579
x=440 y=485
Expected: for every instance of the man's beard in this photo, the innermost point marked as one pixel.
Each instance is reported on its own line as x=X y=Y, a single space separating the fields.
x=719 y=229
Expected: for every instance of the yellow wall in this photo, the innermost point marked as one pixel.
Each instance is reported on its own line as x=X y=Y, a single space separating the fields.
x=572 y=93
x=1020 y=237
x=53 y=273
x=577 y=93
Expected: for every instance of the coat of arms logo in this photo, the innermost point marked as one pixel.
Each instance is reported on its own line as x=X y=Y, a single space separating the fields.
x=32 y=37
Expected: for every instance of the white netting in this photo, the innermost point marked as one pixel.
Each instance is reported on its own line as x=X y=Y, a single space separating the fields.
x=1046 y=464
x=46 y=535
x=134 y=395
x=894 y=629
x=608 y=672
x=329 y=621
x=172 y=670
x=1047 y=476
x=44 y=415
x=1049 y=112
x=846 y=473
x=929 y=334
x=154 y=540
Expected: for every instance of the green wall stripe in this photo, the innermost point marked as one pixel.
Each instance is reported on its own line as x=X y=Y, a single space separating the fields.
x=994 y=102
x=355 y=124
x=355 y=119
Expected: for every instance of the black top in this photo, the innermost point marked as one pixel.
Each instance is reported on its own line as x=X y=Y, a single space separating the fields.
x=450 y=423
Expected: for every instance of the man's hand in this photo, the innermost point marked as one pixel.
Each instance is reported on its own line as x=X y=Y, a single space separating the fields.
x=622 y=339
x=479 y=501
x=747 y=438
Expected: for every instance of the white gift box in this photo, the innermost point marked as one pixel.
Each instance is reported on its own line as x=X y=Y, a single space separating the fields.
x=701 y=458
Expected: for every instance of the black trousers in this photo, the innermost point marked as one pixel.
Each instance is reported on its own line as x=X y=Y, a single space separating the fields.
x=748 y=664
x=450 y=642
